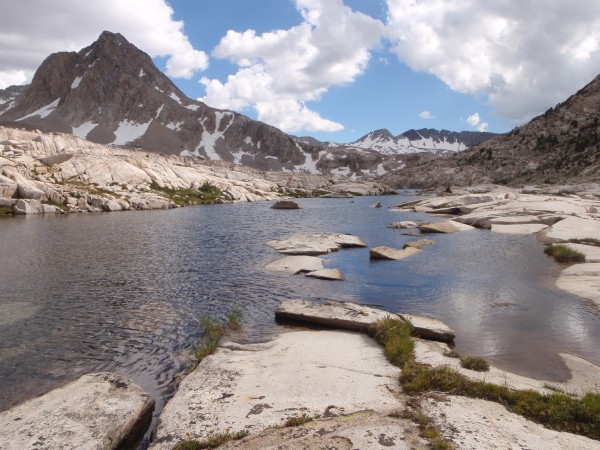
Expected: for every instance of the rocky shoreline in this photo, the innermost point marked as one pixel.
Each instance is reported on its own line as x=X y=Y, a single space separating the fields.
x=338 y=377
x=53 y=173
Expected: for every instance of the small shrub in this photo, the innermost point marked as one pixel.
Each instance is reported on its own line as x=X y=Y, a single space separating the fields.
x=474 y=363
x=235 y=317
x=213 y=441
x=452 y=354
x=298 y=420
x=564 y=254
x=7 y=209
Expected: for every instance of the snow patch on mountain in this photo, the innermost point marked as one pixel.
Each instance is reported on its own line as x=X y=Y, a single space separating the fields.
x=43 y=111
x=129 y=132
x=75 y=83
x=83 y=130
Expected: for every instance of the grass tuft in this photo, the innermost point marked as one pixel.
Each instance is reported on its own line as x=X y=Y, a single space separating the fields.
x=214 y=330
x=451 y=354
x=394 y=335
x=213 y=441
x=474 y=363
x=235 y=317
x=298 y=420
x=6 y=209
x=564 y=254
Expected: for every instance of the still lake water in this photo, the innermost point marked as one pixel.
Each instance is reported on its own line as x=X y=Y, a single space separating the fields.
x=124 y=291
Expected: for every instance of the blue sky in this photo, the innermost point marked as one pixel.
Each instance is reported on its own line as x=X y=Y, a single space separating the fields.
x=387 y=95
x=336 y=69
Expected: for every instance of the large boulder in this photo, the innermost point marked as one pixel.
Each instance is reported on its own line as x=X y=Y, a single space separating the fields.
x=384 y=252
x=447 y=227
x=28 y=207
x=98 y=411
x=8 y=187
x=573 y=228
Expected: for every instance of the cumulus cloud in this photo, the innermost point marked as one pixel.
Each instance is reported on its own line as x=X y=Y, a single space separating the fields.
x=30 y=31
x=281 y=71
x=475 y=121
x=523 y=55
x=426 y=115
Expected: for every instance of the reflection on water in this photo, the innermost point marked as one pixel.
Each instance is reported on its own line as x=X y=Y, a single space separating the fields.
x=125 y=291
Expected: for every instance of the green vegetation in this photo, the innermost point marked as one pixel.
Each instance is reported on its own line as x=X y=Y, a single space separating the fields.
x=586 y=241
x=213 y=441
x=426 y=429
x=564 y=254
x=92 y=189
x=452 y=354
x=298 y=420
x=207 y=194
x=474 y=363
x=394 y=335
x=235 y=317
x=214 y=330
x=5 y=210
x=557 y=410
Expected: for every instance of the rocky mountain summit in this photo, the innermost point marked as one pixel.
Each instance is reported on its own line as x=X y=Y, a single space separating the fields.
x=112 y=93
x=561 y=146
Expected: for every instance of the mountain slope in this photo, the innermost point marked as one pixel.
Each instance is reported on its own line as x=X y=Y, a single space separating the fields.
x=561 y=146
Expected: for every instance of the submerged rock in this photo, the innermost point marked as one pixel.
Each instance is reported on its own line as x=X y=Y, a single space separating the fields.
x=286 y=204
x=418 y=244
x=296 y=264
x=98 y=411
x=327 y=274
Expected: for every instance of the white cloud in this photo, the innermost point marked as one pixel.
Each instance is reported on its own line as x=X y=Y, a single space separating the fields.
x=281 y=71
x=30 y=31
x=426 y=115
x=475 y=121
x=523 y=55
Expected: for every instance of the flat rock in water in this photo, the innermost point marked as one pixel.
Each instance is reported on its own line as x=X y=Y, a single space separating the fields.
x=403 y=224
x=418 y=244
x=286 y=204
x=438 y=227
x=315 y=243
x=296 y=264
x=574 y=228
x=327 y=274
x=257 y=386
x=384 y=252
x=524 y=228
x=582 y=280
x=427 y=328
x=98 y=411
x=344 y=315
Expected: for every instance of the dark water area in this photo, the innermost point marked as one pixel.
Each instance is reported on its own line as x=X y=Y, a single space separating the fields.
x=125 y=291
